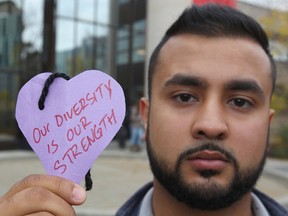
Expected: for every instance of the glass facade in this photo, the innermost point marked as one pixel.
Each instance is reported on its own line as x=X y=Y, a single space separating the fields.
x=83 y=36
x=68 y=37
x=130 y=47
x=20 y=46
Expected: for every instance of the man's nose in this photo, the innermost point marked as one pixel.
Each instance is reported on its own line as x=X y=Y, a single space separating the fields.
x=210 y=123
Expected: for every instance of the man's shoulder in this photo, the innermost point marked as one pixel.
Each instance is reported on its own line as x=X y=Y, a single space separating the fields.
x=132 y=206
x=274 y=208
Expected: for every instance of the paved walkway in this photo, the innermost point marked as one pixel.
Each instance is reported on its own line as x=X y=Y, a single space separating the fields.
x=118 y=173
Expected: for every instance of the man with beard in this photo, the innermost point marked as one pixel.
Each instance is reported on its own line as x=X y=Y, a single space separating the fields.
x=207 y=121
x=210 y=83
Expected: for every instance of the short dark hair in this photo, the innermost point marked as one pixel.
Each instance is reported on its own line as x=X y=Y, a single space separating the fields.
x=213 y=20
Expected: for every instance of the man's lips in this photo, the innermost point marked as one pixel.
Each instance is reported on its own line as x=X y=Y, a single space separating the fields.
x=208 y=160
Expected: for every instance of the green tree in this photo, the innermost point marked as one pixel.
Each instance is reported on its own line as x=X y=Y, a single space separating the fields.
x=276 y=26
x=280 y=99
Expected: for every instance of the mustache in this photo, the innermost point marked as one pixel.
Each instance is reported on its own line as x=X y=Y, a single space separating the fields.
x=208 y=146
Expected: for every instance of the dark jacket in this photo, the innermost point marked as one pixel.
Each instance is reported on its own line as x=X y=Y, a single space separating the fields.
x=132 y=206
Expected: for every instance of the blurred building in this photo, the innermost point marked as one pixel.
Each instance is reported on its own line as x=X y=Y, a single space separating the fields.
x=68 y=37
x=114 y=36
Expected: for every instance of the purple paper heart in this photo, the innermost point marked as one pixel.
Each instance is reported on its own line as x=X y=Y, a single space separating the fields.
x=80 y=118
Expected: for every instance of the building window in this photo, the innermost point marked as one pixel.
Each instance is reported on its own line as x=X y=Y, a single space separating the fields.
x=20 y=51
x=82 y=36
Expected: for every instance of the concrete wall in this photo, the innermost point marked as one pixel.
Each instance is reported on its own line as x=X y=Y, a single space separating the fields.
x=160 y=15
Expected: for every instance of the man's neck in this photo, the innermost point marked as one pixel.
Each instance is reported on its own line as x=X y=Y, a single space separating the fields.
x=163 y=203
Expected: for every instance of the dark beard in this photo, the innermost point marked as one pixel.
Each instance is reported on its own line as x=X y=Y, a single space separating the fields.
x=210 y=196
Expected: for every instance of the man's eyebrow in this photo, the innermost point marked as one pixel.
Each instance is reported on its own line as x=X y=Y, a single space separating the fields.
x=186 y=80
x=245 y=85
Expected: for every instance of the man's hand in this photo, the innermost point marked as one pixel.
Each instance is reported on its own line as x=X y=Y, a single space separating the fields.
x=42 y=195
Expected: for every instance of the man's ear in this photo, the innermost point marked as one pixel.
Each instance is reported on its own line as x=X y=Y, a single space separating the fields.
x=271 y=115
x=144 y=111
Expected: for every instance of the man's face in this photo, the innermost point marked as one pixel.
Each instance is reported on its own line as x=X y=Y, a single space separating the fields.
x=208 y=118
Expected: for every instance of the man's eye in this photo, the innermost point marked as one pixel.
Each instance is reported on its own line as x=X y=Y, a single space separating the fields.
x=240 y=103
x=185 y=98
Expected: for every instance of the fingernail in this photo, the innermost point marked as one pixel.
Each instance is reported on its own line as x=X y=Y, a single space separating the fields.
x=78 y=194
